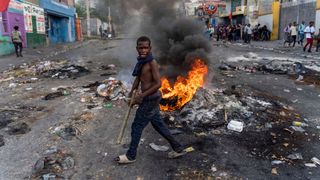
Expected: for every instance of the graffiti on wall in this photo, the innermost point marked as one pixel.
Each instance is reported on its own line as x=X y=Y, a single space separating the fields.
x=29 y=11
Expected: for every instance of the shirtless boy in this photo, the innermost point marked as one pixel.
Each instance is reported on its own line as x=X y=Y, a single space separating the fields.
x=147 y=73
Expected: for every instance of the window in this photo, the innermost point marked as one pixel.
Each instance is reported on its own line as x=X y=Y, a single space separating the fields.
x=5 y=22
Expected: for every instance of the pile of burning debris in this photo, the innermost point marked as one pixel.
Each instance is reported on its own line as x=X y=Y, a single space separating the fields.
x=211 y=109
x=265 y=125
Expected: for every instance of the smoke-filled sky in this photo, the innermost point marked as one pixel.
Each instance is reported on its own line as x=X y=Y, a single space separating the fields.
x=176 y=40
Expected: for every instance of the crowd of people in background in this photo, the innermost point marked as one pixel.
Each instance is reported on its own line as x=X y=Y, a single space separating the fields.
x=234 y=33
x=293 y=34
x=297 y=33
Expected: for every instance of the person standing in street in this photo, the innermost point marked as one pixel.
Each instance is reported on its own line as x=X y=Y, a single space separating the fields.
x=248 y=33
x=287 y=35
x=211 y=31
x=17 y=41
x=309 y=32
x=301 y=28
x=100 y=31
x=147 y=78
x=293 y=33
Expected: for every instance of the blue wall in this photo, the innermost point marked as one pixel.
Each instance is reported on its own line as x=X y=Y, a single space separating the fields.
x=61 y=21
x=54 y=7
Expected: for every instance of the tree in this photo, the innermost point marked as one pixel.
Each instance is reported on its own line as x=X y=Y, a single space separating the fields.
x=81 y=8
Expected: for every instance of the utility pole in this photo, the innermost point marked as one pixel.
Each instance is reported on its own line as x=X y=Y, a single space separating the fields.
x=109 y=17
x=88 y=17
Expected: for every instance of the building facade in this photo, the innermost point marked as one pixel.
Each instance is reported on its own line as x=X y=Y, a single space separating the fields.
x=34 y=24
x=60 y=20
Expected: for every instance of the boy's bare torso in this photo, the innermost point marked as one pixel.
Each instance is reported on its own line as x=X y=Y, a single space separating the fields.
x=146 y=77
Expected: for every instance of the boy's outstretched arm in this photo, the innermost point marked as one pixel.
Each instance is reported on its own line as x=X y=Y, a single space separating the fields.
x=156 y=78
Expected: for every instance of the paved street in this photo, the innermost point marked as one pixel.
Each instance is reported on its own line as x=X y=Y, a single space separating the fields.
x=30 y=124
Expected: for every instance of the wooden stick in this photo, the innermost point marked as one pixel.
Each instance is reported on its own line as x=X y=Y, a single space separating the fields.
x=125 y=120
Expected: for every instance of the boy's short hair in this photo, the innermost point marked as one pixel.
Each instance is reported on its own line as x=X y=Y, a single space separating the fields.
x=144 y=38
x=16 y=27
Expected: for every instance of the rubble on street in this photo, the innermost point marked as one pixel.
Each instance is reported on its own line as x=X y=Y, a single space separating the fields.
x=59 y=119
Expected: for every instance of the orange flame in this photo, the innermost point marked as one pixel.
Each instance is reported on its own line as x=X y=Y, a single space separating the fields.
x=184 y=88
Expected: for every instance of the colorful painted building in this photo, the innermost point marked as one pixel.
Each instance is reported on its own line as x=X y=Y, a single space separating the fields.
x=34 y=24
x=60 y=21
x=10 y=18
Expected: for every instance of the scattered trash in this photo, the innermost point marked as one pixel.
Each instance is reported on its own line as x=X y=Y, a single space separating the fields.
x=86 y=116
x=86 y=99
x=268 y=125
x=51 y=150
x=235 y=126
x=6 y=79
x=158 y=147
x=12 y=85
x=65 y=132
x=298 y=129
x=274 y=171
x=315 y=160
x=109 y=73
x=285 y=144
x=216 y=132
x=49 y=176
x=20 y=128
x=295 y=156
x=108 y=67
x=276 y=162
x=299 y=89
x=299 y=124
x=189 y=149
x=112 y=89
x=67 y=163
x=29 y=88
x=175 y=131
x=213 y=168
x=108 y=105
x=92 y=86
x=201 y=134
x=310 y=165
x=60 y=92
x=70 y=71
x=286 y=90
x=52 y=165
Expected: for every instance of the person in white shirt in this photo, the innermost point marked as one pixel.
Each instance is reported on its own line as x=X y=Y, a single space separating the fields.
x=309 y=32
x=248 y=32
x=293 y=33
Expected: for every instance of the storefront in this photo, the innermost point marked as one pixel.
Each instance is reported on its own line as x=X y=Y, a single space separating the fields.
x=60 y=22
x=34 y=25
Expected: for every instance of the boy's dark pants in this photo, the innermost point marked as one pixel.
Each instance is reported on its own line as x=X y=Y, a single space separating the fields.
x=149 y=111
x=18 y=48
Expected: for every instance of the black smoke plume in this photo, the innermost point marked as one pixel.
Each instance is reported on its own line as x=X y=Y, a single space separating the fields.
x=177 y=40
